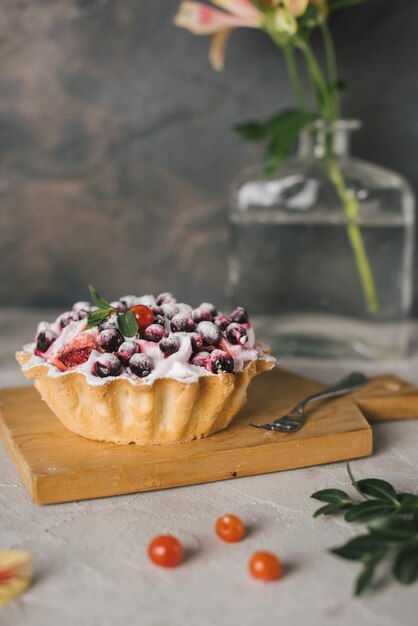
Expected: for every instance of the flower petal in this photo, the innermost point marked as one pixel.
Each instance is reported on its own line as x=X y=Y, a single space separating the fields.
x=218 y=49
x=15 y=573
x=242 y=8
x=200 y=19
x=296 y=7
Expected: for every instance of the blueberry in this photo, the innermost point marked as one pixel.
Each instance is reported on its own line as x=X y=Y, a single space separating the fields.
x=107 y=365
x=66 y=318
x=82 y=309
x=237 y=334
x=109 y=322
x=207 y=306
x=169 y=310
x=159 y=319
x=119 y=306
x=197 y=341
x=182 y=322
x=239 y=315
x=201 y=359
x=166 y=298
x=169 y=345
x=126 y=350
x=154 y=332
x=110 y=340
x=221 y=361
x=222 y=321
x=45 y=339
x=210 y=333
x=157 y=310
x=202 y=315
x=141 y=365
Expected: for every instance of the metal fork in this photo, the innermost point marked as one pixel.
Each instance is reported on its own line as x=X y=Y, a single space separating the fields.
x=295 y=419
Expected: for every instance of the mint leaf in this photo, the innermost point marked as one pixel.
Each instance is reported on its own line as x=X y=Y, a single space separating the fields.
x=97 y=299
x=127 y=324
x=97 y=317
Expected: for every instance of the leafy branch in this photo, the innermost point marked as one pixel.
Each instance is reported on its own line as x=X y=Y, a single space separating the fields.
x=393 y=535
x=126 y=321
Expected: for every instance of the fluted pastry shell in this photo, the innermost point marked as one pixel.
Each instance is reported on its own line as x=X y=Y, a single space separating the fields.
x=165 y=411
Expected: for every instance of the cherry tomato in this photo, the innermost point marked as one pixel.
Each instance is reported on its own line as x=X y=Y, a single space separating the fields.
x=144 y=315
x=230 y=528
x=265 y=566
x=165 y=550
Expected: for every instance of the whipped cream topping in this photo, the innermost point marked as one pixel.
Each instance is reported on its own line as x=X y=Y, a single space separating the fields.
x=177 y=365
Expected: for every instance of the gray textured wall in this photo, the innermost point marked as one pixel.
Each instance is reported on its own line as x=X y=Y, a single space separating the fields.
x=115 y=146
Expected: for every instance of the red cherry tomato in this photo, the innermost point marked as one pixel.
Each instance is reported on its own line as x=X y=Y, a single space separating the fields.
x=166 y=551
x=230 y=528
x=265 y=566
x=144 y=315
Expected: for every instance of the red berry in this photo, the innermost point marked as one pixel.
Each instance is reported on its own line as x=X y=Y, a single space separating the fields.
x=236 y=334
x=144 y=315
x=230 y=528
x=221 y=361
x=265 y=566
x=165 y=551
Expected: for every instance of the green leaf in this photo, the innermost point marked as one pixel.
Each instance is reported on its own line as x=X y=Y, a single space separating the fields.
x=405 y=568
x=328 y=509
x=395 y=529
x=96 y=317
x=409 y=503
x=365 y=578
x=368 y=510
x=97 y=299
x=127 y=323
x=359 y=547
x=376 y=488
x=331 y=496
x=252 y=130
x=285 y=131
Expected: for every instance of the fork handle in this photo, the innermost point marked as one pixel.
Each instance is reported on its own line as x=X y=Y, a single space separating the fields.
x=346 y=385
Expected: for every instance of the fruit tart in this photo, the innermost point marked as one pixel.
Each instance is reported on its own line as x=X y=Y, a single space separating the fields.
x=145 y=370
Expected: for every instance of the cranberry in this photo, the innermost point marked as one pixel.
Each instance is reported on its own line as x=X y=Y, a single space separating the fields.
x=45 y=339
x=110 y=340
x=237 y=334
x=141 y=365
x=169 y=345
x=201 y=359
x=127 y=302
x=210 y=333
x=207 y=306
x=222 y=321
x=126 y=350
x=66 y=318
x=108 y=365
x=166 y=298
x=221 y=361
x=202 y=315
x=155 y=333
x=144 y=315
x=239 y=315
x=160 y=320
x=157 y=310
x=169 y=310
x=183 y=322
x=82 y=309
x=109 y=322
x=119 y=306
x=197 y=341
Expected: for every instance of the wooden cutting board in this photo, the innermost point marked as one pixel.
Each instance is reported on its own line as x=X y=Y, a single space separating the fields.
x=57 y=466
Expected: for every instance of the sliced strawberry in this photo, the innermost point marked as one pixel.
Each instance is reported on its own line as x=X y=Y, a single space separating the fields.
x=76 y=352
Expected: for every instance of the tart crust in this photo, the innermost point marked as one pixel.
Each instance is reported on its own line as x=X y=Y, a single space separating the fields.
x=165 y=411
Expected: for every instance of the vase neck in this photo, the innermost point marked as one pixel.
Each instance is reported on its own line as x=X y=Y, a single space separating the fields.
x=322 y=139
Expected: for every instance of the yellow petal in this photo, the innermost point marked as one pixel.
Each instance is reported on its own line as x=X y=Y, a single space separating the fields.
x=296 y=7
x=218 y=49
x=15 y=573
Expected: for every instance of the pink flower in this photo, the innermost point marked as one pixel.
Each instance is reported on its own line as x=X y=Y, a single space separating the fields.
x=202 y=19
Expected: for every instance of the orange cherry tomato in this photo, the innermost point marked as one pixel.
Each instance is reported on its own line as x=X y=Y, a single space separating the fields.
x=144 y=315
x=265 y=566
x=230 y=528
x=165 y=550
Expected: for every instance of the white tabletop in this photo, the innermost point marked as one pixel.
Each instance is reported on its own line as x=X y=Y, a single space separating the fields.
x=90 y=557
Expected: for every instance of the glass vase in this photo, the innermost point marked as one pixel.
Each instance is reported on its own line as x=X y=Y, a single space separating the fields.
x=322 y=253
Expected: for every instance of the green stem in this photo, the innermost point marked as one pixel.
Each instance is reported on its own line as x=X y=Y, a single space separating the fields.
x=351 y=208
x=331 y=65
x=289 y=55
x=324 y=101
